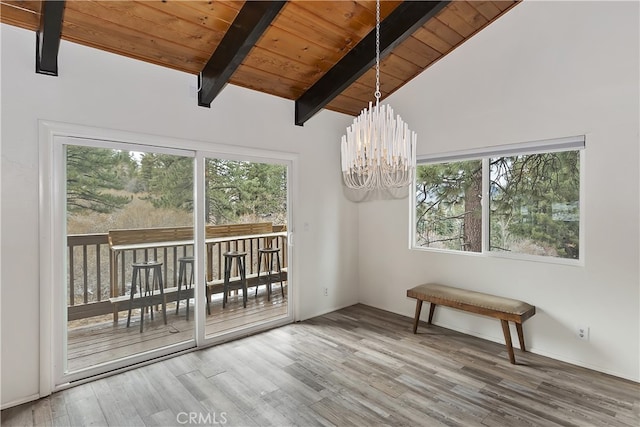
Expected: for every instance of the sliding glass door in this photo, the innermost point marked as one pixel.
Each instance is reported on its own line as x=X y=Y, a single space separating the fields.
x=129 y=228
x=155 y=250
x=246 y=216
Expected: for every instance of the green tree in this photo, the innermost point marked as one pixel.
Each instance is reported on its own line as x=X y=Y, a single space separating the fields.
x=249 y=190
x=262 y=190
x=538 y=196
x=222 y=191
x=92 y=175
x=448 y=205
x=234 y=190
x=168 y=180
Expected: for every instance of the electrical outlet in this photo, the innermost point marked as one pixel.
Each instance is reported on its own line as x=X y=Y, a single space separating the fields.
x=583 y=332
x=326 y=292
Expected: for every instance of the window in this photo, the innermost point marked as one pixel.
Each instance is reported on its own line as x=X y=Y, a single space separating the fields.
x=448 y=205
x=533 y=194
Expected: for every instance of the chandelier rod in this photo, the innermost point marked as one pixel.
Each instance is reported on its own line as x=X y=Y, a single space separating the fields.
x=377 y=93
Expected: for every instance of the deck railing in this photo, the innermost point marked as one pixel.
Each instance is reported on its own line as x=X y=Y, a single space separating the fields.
x=88 y=270
x=92 y=280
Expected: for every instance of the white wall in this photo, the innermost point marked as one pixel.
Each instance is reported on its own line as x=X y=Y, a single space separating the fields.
x=108 y=91
x=543 y=70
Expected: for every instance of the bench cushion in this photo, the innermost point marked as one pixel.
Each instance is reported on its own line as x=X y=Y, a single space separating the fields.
x=463 y=296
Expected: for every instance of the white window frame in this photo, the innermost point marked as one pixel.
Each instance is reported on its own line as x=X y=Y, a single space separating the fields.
x=484 y=154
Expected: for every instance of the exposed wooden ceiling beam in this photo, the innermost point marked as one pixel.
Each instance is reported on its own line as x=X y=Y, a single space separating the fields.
x=48 y=37
x=397 y=27
x=252 y=20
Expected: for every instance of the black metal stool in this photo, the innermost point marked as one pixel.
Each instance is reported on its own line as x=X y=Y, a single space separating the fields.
x=184 y=280
x=150 y=268
x=240 y=262
x=271 y=276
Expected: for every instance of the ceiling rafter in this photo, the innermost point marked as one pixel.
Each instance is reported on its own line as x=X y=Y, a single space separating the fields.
x=303 y=41
x=397 y=27
x=252 y=20
x=48 y=37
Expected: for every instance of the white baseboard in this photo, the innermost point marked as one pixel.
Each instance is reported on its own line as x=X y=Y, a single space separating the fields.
x=20 y=401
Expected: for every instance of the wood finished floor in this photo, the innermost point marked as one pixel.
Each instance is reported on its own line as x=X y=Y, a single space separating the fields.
x=92 y=342
x=354 y=367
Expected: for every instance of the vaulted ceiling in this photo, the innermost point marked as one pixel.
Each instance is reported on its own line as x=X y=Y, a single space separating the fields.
x=320 y=54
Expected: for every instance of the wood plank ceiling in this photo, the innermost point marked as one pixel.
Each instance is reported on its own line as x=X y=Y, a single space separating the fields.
x=304 y=41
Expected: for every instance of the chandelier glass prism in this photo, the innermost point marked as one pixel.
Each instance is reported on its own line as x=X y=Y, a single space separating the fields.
x=378 y=150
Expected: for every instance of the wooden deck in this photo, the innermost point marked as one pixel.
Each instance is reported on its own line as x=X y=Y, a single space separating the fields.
x=98 y=340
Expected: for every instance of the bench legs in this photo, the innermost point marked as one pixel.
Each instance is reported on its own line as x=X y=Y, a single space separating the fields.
x=520 y=336
x=432 y=308
x=507 y=341
x=416 y=319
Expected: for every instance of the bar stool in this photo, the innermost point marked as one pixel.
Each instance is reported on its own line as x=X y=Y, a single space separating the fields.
x=153 y=269
x=184 y=280
x=240 y=264
x=270 y=277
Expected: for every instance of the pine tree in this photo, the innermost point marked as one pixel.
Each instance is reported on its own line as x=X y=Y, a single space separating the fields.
x=448 y=205
x=91 y=174
x=234 y=190
x=168 y=180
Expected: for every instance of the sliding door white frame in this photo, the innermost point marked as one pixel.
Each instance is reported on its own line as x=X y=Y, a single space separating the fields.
x=52 y=137
x=287 y=160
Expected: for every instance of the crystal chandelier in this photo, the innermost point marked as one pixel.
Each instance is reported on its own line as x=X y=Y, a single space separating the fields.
x=379 y=150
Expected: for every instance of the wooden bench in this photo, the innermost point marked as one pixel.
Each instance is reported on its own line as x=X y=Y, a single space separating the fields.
x=505 y=309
